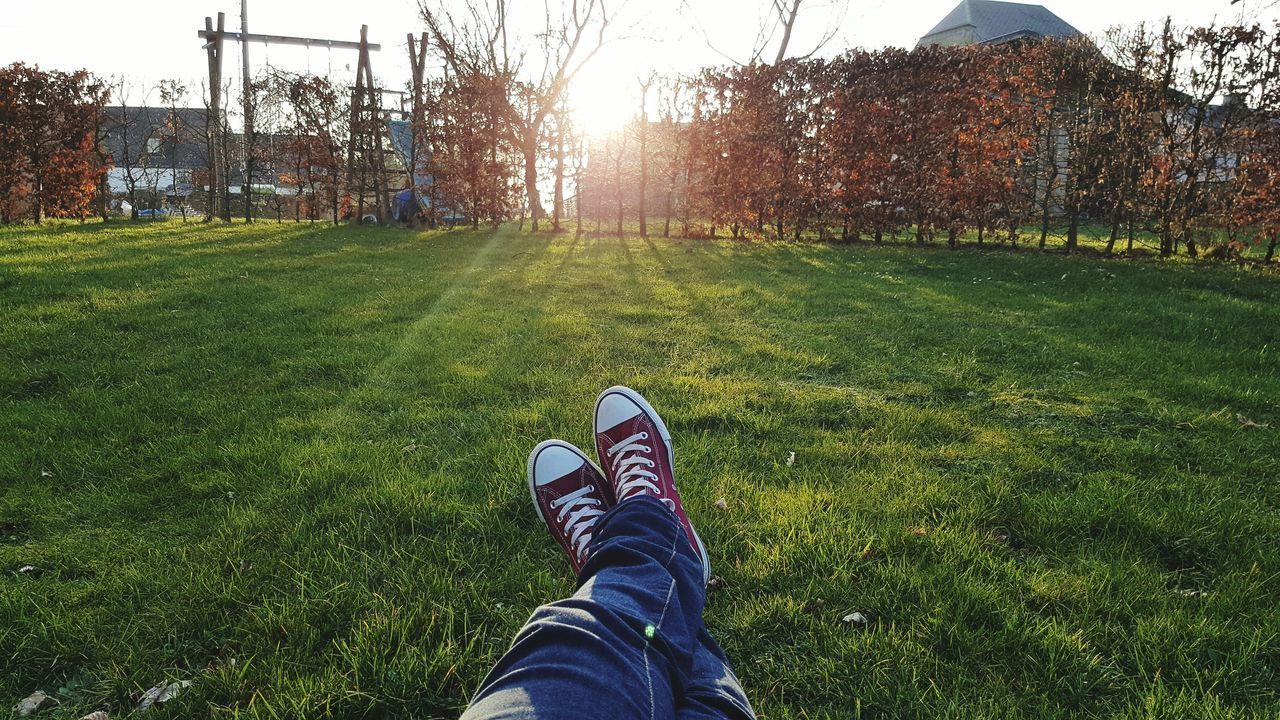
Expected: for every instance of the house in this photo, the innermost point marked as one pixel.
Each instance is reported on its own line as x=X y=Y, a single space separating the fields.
x=154 y=150
x=994 y=23
x=159 y=157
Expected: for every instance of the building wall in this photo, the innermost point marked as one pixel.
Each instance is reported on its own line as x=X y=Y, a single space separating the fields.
x=949 y=38
x=146 y=179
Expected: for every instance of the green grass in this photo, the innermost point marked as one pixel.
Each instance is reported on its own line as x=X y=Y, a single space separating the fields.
x=287 y=463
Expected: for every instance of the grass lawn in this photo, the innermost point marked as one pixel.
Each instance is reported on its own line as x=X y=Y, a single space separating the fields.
x=287 y=463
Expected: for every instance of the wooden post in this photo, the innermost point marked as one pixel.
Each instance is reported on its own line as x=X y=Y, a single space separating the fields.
x=381 y=193
x=357 y=134
x=214 y=122
x=418 y=63
x=247 y=186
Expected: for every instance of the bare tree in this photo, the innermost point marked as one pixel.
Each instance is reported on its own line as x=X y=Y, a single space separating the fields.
x=171 y=93
x=645 y=85
x=486 y=43
x=561 y=117
x=129 y=129
x=618 y=183
x=778 y=24
x=579 y=166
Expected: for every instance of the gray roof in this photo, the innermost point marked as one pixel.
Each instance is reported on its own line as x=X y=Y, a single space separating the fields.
x=995 y=22
x=128 y=129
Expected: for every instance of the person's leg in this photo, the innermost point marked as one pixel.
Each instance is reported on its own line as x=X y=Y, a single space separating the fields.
x=623 y=645
x=630 y=643
x=713 y=691
x=635 y=447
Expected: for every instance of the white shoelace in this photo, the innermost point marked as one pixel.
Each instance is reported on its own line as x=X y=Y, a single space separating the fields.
x=582 y=520
x=629 y=467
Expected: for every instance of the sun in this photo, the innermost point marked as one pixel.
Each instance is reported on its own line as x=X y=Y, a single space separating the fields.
x=604 y=97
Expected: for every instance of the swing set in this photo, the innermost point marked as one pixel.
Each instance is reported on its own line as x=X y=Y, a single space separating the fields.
x=365 y=156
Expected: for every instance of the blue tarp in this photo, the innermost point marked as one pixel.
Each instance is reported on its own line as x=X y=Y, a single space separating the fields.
x=402 y=142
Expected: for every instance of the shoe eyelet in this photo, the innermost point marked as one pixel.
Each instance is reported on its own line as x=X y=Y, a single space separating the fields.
x=644 y=435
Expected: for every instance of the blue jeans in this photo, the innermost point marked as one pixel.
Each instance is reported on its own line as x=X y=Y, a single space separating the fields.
x=630 y=643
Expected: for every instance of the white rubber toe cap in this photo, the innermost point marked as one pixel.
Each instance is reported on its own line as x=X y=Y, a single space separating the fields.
x=615 y=409
x=554 y=462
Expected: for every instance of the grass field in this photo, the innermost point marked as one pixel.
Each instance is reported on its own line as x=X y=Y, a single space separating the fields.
x=287 y=464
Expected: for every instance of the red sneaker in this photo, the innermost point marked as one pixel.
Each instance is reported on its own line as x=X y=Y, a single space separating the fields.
x=635 y=449
x=570 y=494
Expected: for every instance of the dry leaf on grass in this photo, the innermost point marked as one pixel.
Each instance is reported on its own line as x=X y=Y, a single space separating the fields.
x=855 y=618
x=33 y=703
x=1249 y=424
x=162 y=692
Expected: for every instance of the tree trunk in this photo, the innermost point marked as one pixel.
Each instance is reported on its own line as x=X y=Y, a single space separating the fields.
x=1044 y=225
x=599 y=211
x=247 y=188
x=531 y=182
x=36 y=202
x=688 y=200
x=577 y=203
x=557 y=208
x=666 y=223
x=644 y=169
x=1073 y=232
x=1271 y=247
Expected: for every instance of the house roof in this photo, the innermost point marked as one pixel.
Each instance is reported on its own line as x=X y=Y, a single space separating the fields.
x=127 y=130
x=989 y=21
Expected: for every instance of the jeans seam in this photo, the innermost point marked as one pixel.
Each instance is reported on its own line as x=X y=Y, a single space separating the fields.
x=648 y=677
x=675 y=542
x=671 y=589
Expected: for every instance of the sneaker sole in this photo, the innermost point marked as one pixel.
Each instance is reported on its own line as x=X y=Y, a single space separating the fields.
x=636 y=398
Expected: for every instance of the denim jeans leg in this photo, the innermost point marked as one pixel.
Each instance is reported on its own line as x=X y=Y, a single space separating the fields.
x=623 y=646
x=713 y=692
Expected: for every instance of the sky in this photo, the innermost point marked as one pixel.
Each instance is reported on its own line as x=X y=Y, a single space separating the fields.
x=150 y=41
